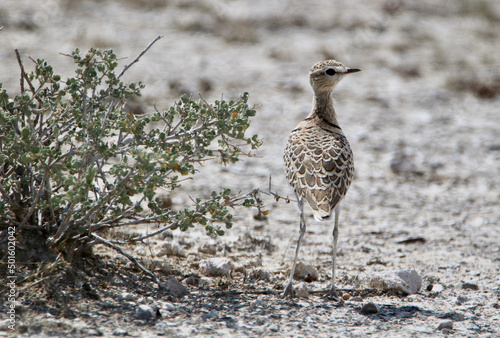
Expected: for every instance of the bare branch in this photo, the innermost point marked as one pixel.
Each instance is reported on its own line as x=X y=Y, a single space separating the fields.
x=98 y=204
x=140 y=55
x=131 y=258
x=141 y=238
x=114 y=222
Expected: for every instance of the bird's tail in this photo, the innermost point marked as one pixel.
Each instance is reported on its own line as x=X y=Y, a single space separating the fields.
x=322 y=215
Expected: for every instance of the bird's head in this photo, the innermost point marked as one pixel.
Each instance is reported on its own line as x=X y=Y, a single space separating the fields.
x=325 y=75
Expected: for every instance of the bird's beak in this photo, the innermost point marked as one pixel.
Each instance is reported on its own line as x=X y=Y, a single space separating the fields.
x=352 y=70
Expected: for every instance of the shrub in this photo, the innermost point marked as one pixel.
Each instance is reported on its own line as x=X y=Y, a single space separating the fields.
x=74 y=160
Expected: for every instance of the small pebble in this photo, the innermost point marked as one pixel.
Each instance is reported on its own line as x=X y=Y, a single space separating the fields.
x=306 y=272
x=257 y=302
x=167 y=306
x=192 y=280
x=446 y=324
x=301 y=291
x=145 y=312
x=127 y=297
x=164 y=329
x=208 y=248
x=172 y=249
x=274 y=328
x=129 y=304
x=91 y=331
x=205 y=281
x=260 y=274
x=437 y=288
x=120 y=332
x=462 y=299
x=163 y=266
x=108 y=305
x=370 y=308
x=176 y=288
x=216 y=267
x=412 y=298
x=346 y=296
x=470 y=286
x=211 y=315
x=140 y=251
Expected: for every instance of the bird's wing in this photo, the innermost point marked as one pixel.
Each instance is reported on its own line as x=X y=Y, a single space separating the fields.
x=319 y=165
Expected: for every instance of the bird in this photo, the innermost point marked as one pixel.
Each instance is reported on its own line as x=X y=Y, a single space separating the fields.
x=318 y=160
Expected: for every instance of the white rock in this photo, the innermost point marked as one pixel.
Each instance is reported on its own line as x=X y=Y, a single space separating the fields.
x=412 y=278
x=172 y=249
x=140 y=251
x=120 y=332
x=205 y=281
x=407 y=281
x=274 y=328
x=127 y=297
x=446 y=324
x=305 y=272
x=216 y=267
x=208 y=248
x=161 y=327
x=301 y=291
x=257 y=302
x=163 y=266
x=260 y=274
x=168 y=306
x=437 y=288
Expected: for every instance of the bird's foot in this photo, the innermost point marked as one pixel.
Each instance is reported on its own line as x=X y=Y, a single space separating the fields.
x=332 y=295
x=288 y=292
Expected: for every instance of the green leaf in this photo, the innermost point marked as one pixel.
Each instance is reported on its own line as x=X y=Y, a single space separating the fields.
x=26 y=158
x=25 y=133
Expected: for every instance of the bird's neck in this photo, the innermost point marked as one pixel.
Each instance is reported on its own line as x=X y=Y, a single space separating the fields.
x=323 y=108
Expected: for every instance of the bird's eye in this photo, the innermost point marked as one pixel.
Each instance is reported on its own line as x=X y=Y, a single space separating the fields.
x=330 y=71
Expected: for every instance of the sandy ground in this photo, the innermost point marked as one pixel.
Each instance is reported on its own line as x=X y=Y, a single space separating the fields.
x=426 y=102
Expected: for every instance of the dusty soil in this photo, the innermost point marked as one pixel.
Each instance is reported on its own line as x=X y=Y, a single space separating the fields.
x=423 y=120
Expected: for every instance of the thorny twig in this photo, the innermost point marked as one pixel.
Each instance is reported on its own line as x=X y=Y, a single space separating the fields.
x=277 y=196
x=24 y=77
x=131 y=258
x=154 y=233
x=138 y=57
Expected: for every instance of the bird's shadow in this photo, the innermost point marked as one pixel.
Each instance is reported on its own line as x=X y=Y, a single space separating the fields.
x=393 y=312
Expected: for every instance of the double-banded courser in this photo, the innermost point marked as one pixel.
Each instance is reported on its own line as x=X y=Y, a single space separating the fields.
x=318 y=159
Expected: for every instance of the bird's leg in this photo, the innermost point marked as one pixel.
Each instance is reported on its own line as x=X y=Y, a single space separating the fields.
x=289 y=288
x=333 y=291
